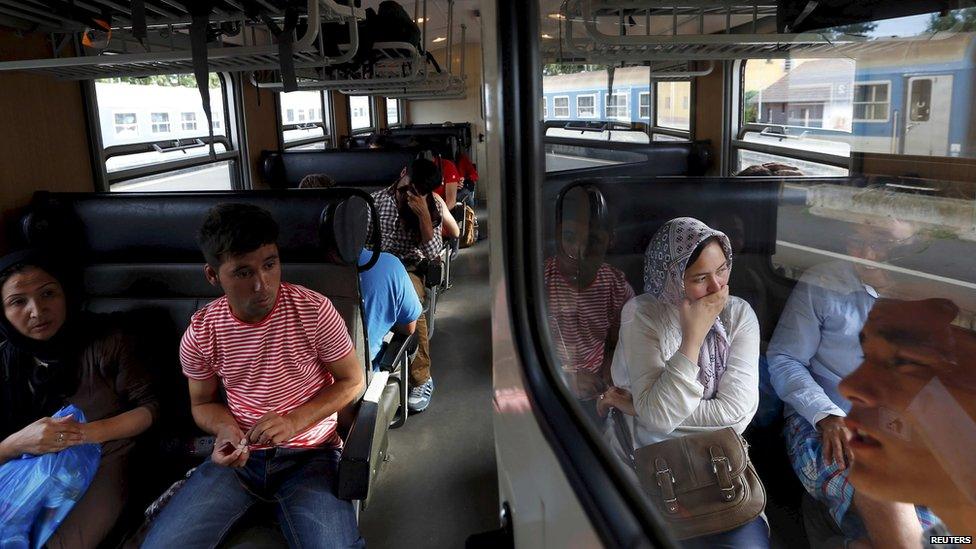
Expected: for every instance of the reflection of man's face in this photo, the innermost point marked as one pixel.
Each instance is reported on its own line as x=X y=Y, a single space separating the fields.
x=906 y=345
x=582 y=249
x=875 y=243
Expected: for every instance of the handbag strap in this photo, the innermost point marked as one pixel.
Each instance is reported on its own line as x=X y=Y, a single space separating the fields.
x=622 y=430
x=722 y=468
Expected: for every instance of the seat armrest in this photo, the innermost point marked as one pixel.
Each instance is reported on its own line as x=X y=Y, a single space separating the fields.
x=365 y=446
x=397 y=350
x=435 y=274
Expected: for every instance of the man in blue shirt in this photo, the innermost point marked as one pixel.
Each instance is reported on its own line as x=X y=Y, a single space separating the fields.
x=389 y=299
x=814 y=347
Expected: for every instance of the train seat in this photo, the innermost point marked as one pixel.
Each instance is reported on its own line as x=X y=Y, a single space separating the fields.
x=361 y=168
x=137 y=256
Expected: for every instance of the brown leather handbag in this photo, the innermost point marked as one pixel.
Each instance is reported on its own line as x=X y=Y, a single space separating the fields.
x=702 y=483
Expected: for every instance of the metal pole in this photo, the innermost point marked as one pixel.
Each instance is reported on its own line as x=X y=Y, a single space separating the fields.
x=423 y=38
x=450 y=35
x=464 y=29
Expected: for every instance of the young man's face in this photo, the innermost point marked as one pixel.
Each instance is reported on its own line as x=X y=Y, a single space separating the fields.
x=250 y=281
x=906 y=345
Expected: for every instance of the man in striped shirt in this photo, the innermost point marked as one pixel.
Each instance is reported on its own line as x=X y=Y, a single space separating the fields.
x=283 y=356
x=585 y=296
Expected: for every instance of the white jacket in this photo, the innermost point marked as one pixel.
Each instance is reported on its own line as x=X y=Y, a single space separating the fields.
x=664 y=383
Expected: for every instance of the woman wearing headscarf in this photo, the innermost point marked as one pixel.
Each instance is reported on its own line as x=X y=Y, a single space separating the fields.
x=53 y=355
x=688 y=353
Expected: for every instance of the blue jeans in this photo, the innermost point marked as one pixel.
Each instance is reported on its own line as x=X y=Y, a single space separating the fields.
x=301 y=484
x=751 y=535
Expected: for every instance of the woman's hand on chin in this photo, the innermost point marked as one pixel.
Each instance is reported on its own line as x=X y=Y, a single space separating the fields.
x=48 y=435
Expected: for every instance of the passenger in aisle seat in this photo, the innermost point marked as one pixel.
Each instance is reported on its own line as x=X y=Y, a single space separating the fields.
x=411 y=224
x=814 y=347
x=584 y=294
x=687 y=360
x=284 y=358
x=389 y=301
x=52 y=355
x=913 y=409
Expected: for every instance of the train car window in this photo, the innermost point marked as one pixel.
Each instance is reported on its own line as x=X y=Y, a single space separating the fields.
x=674 y=105
x=847 y=293
x=154 y=137
x=304 y=120
x=360 y=112
x=392 y=112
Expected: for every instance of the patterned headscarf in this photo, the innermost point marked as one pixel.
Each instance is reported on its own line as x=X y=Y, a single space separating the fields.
x=665 y=262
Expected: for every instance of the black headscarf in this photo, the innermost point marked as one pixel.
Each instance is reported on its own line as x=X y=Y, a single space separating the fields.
x=19 y=371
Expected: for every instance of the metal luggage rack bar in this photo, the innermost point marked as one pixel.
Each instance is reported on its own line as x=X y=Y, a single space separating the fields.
x=441 y=85
x=397 y=64
x=173 y=54
x=687 y=30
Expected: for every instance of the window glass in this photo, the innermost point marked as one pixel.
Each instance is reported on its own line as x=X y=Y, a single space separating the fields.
x=360 y=112
x=157 y=120
x=645 y=104
x=618 y=105
x=210 y=177
x=672 y=105
x=301 y=116
x=586 y=106
x=392 y=111
x=560 y=107
x=160 y=122
x=921 y=98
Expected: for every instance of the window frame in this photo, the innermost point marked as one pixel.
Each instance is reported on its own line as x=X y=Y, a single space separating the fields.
x=231 y=99
x=886 y=102
x=739 y=128
x=153 y=124
x=626 y=106
x=545 y=107
x=326 y=137
x=399 y=114
x=669 y=130
x=184 y=120
x=592 y=96
x=116 y=124
x=372 y=116
x=569 y=109
x=640 y=96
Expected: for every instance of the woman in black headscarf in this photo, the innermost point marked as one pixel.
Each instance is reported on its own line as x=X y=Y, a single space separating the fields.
x=52 y=355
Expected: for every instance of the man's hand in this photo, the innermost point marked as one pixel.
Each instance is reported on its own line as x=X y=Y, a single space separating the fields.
x=585 y=385
x=618 y=398
x=418 y=204
x=230 y=447
x=835 y=437
x=272 y=430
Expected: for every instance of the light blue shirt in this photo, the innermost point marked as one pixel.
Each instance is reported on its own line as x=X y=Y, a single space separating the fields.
x=816 y=343
x=389 y=298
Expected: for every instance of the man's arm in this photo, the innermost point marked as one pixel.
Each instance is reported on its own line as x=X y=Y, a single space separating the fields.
x=347 y=376
x=405 y=329
x=213 y=416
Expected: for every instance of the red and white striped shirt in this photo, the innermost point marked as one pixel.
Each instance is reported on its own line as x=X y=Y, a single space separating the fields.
x=275 y=365
x=581 y=321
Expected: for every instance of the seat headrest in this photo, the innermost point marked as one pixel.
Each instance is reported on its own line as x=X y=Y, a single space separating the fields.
x=315 y=225
x=349 y=168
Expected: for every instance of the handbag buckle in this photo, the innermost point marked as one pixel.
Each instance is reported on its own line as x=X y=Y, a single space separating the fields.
x=666 y=471
x=720 y=459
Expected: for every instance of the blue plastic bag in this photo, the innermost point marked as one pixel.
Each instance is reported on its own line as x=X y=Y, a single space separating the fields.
x=37 y=492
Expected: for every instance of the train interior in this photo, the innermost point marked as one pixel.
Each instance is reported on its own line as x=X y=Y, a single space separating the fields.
x=812 y=134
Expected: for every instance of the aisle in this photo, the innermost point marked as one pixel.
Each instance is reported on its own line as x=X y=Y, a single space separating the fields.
x=441 y=484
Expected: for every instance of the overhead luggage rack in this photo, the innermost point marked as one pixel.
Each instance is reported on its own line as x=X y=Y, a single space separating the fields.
x=610 y=31
x=244 y=42
x=440 y=86
x=394 y=64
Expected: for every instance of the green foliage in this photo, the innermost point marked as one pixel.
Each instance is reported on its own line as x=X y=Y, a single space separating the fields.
x=963 y=20
x=854 y=29
x=166 y=80
x=751 y=102
x=553 y=69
